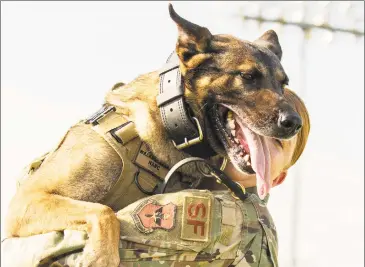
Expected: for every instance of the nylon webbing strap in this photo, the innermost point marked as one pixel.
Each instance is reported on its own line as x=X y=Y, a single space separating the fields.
x=184 y=130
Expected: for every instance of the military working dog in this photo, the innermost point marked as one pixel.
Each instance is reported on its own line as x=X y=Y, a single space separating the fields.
x=233 y=87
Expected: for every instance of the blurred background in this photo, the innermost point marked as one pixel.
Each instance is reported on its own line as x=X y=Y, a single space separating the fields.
x=59 y=58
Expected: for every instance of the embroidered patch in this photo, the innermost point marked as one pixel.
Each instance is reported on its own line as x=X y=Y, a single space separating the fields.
x=149 y=215
x=196 y=219
x=144 y=160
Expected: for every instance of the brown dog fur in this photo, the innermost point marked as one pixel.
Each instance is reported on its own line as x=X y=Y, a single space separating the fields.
x=65 y=193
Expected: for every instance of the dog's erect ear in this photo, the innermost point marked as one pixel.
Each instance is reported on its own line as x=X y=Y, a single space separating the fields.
x=193 y=41
x=270 y=40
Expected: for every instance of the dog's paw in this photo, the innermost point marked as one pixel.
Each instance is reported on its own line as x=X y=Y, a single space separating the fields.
x=102 y=248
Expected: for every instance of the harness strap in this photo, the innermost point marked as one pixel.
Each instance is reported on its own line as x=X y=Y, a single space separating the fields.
x=140 y=168
x=115 y=131
x=185 y=131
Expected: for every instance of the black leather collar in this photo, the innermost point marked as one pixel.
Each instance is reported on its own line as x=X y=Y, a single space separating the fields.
x=183 y=128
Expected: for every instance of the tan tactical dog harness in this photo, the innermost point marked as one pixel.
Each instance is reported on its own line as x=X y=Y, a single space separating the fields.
x=141 y=173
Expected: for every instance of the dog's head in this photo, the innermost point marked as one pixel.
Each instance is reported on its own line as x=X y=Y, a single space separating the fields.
x=235 y=88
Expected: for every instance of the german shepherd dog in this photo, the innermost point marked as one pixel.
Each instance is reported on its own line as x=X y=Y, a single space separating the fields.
x=219 y=71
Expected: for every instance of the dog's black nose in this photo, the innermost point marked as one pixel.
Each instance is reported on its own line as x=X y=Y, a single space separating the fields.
x=290 y=122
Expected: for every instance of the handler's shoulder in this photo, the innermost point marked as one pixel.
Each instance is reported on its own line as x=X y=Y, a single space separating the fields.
x=193 y=227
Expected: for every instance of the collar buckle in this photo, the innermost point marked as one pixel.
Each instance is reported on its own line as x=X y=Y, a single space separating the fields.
x=187 y=143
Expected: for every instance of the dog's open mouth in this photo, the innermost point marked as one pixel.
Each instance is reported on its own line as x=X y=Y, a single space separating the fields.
x=238 y=142
x=247 y=150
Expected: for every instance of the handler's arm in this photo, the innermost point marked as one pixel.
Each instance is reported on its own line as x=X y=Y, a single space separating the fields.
x=188 y=228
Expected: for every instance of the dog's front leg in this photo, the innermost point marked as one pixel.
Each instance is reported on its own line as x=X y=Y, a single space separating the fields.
x=32 y=213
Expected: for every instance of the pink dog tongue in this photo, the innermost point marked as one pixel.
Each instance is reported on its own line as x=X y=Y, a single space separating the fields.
x=260 y=160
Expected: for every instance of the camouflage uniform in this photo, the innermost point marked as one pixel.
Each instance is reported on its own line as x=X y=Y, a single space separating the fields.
x=188 y=228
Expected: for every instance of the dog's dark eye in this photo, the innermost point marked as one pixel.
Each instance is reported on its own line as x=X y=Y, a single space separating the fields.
x=247 y=76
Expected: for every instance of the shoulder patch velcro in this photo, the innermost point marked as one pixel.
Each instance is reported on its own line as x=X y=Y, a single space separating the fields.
x=196 y=218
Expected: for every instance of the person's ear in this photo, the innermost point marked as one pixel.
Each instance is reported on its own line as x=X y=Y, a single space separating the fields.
x=281 y=177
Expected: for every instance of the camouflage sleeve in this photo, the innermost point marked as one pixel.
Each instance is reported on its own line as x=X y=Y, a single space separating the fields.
x=188 y=228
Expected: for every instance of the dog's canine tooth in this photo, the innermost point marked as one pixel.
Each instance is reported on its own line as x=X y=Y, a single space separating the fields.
x=246 y=157
x=236 y=140
x=231 y=124
x=233 y=132
x=248 y=163
x=230 y=114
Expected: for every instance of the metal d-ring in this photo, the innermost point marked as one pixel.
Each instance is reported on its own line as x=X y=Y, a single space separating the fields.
x=205 y=173
x=209 y=171
x=136 y=181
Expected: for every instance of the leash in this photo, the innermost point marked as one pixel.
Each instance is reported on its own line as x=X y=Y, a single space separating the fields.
x=238 y=191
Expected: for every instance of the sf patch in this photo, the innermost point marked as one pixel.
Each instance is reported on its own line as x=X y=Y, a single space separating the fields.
x=150 y=215
x=196 y=218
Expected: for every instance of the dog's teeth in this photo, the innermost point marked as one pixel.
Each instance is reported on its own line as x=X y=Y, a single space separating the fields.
x=241 y=154
x=236 y=140
x=241 y=146
x=231 y=124
x=233 y=132
x=248 y=163
x=230 y=114
x=246 y=157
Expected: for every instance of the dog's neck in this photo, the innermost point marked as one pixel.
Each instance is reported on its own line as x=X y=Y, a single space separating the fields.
x=137 y=101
